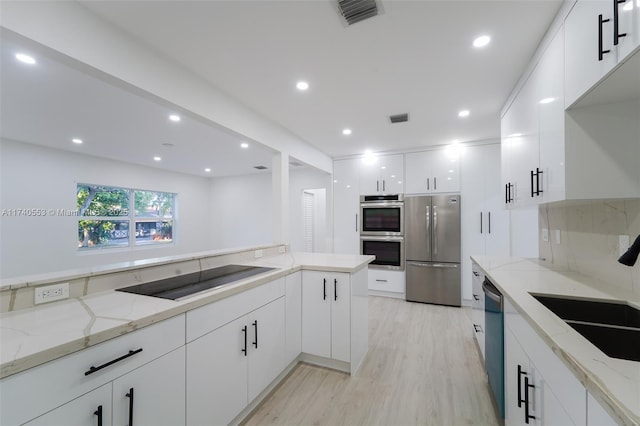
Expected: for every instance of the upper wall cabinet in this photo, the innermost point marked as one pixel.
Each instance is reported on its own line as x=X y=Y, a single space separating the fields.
x=434 y=171
x=382 y=175
x=346 y=203
x=599 y=34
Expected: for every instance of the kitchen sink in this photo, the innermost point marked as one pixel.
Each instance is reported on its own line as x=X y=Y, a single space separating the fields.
x=185 y=285
x=612 y=327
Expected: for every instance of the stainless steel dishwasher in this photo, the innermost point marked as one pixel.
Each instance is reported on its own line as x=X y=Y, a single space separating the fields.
x=494 y=343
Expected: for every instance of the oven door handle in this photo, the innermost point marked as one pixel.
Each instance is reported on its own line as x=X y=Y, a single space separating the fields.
x=433 y=265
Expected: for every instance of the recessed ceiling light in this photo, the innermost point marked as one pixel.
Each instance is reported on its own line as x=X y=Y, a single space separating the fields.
x=481 y=41
x=157 y=159
x=174 y=117
x=207 y=170
x=547 y=100
x=346 y=131
x=244 y=145
x=463 y=113
x=76 y=141
x=302 y=85
x=25 y=58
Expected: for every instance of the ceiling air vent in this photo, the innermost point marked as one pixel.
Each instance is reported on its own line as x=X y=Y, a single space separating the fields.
x=260 y=167
x=399 y=118
x=357 y=10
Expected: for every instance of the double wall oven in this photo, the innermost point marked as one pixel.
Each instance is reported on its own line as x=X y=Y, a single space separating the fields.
x=382 y=230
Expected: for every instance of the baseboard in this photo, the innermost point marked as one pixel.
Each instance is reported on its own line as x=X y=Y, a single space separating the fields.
x=390 y=294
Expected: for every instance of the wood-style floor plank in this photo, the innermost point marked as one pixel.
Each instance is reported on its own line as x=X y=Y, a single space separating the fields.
x=422 y=368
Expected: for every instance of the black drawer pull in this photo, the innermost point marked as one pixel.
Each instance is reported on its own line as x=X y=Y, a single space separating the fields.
x=600 y=51
x=476 y=297
x=255 y=328
x=93 y=369
x=527 y=416
x=98 y=413
x=244 y=331
x=335 y=289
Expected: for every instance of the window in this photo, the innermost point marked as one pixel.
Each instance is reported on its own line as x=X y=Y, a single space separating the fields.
x=122 y=217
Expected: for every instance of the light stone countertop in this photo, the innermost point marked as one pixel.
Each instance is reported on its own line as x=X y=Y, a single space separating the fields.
x=615 y=383
x=34 y=336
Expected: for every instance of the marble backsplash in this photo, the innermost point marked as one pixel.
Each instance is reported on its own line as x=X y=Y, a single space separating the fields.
x=589 y=232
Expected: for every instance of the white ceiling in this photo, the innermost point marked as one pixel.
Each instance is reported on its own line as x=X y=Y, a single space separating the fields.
x=415 y=57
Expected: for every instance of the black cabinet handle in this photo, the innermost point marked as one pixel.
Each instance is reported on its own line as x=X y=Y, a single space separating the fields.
x=324 y=286
x=511 y=186
x=538 y=173
x=335 y=289
x=616 y=34
x=130 y=396
x=481 y=222
x=476 y=297
x=600 y=51
x=98 y=413
x=255 y=329
x=489 y=213
x=476 y=274
x=93 y=369
x=527 y=416
x=244 y=331
x=520 y=374
x=506 y=193
x=532 y=190
x=477 y=328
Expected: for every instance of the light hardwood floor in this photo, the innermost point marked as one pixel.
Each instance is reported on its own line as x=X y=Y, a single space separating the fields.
x=422 y=368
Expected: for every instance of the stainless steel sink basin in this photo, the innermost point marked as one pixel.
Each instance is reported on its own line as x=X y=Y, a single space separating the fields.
x=614 y=328
x=188 y=284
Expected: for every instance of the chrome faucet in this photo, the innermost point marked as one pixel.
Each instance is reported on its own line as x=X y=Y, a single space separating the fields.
x=630 y=257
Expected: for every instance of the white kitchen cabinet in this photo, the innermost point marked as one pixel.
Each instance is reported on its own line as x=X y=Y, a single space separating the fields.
x=326 y=315
x=596 y=415
x=436 y=171
x=64 y=380
x=585 y=67
x=382 y=175
x=293 y=316
x=235 y=349
x=484 y=219
x=477 y=308
x=92 y=408
x=153 y=394
x=384 y=282
x=537 y=383
x=346 y=206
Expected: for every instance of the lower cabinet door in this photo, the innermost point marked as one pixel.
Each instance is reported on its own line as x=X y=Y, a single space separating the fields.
x=93 y=408
x=266 y=345
x=516 y=369
x=317 y=290
x=152 y=395
x=217 y=374
x=340 y=317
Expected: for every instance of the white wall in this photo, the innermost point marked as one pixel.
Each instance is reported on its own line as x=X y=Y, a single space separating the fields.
x=241 y=210
x=299 y=180
x=523 y=232
x=43 y=178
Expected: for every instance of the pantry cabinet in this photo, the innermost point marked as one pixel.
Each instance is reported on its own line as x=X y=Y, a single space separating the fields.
x=591 y=47
x=382 y=175
x=326 y=315
x=430 y=172
x=346 y=205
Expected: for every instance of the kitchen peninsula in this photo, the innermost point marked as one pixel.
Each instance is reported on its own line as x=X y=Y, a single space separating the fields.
x=68 y=355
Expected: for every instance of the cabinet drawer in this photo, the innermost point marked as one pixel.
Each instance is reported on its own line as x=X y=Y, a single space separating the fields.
x=202 y=320
x=35 y=391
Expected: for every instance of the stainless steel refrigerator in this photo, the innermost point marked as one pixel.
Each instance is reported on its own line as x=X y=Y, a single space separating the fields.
x=432 y=249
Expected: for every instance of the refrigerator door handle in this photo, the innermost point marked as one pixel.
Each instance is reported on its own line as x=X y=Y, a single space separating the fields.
x=435 y=231
x=428 y=225
x=433 y=265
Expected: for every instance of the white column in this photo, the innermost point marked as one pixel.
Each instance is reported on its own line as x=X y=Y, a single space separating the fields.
x=280 y=194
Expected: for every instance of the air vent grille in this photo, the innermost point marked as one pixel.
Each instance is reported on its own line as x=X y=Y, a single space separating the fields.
x=260 y=167
x=399 y=118
x=357 y=10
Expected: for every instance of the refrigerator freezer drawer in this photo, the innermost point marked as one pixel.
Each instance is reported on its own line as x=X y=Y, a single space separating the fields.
x=429 y=282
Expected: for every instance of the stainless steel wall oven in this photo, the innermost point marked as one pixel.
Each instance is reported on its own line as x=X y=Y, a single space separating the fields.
x=382 y=230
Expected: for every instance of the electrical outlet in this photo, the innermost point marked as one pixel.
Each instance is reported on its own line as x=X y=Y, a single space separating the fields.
x=545 y=235
x=282 y=249
x=556 y=236
x=51 y=293
x=623 y=244
x=258 y=254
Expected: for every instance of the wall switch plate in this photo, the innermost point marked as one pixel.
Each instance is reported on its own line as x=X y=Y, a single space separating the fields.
x=623 y=244
x=51 y=293
x=282 y=249
x=545 y=235
x=556 y=236
x=258 y=254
